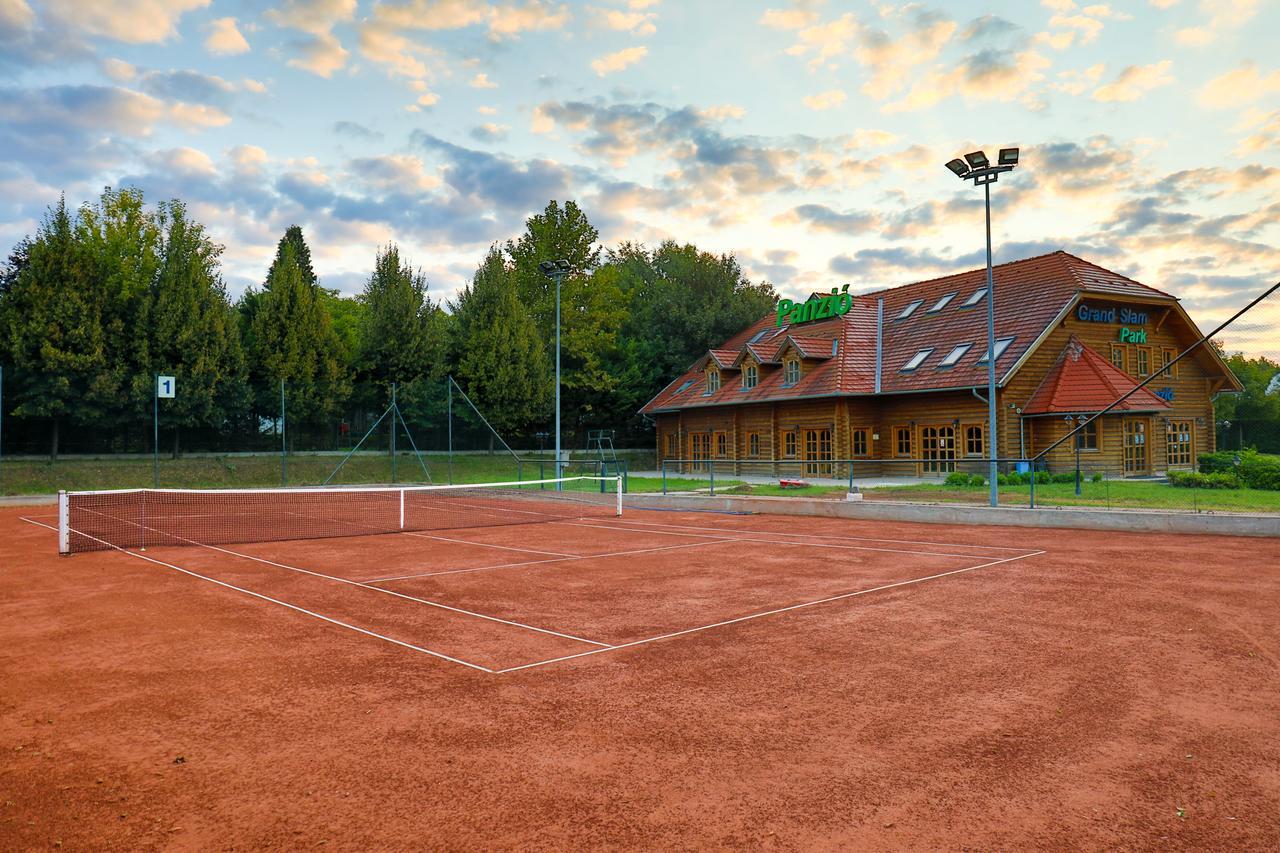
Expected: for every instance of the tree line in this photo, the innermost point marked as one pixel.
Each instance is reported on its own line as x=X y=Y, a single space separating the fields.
x=101 y=299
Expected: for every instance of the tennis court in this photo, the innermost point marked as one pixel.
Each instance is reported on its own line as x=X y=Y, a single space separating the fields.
x=502 y=577
x=643 y=680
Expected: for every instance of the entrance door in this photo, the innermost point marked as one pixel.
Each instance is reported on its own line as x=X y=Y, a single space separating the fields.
x=701 y=449
x=1136 y=456
x=938 y=449
x=817 y=448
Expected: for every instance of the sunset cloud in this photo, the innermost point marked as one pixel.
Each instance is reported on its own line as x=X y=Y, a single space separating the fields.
x=614 y=62
x=225 y=38
x=1135 y=81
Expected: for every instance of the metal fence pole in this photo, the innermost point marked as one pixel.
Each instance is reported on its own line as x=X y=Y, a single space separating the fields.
x=664 y=476
x=393 y=432
x=711 y=466
x=155 y=430
x=284 y=453
x=450 y=418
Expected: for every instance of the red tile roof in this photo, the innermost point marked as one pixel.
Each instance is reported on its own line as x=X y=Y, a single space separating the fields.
x=1084 y=381
x=1030 y=295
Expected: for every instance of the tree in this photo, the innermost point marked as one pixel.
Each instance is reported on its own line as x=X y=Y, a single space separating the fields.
x=194 y=335
x=556 y=233
x=120 y=242
x=500 y=359
x=402 y=333
x=292 y=340
x=51 y=327
x=1254 y=413
x=681 y=302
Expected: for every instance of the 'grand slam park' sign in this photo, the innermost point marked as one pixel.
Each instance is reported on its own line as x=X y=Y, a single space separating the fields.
x=1124 y=315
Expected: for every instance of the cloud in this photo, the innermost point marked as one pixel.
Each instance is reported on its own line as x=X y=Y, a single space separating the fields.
x=1239 y=86
x=482 y=81
x=636 y=23
x=393 y=172
x=131 y=21
x=118 y=70
x=1135 y=81
x=892 y=60
x=614 y=62
x=1075 y=82
x=824 y=41
x=788 y=19
x=355 y=130
x=489 y=132
x=225 y=38
x=819 y=217
x=496 y=181
x=188 y=86
x=320 y=51
x=1222 y=15
x=824 y=100
x=507 y=21
x=1264 y=131
x=988 y=75
x=321 y=55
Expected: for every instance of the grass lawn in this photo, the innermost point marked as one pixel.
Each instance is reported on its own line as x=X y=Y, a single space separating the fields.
x=32 y=476
x=1122 y=494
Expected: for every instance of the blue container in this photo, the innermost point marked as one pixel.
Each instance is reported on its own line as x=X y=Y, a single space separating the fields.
x=1024 y=467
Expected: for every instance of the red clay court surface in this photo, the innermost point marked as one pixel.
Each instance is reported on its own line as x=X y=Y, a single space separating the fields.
x=656 y=680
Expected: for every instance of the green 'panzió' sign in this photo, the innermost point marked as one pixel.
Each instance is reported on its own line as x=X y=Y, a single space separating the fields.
x=816 y=307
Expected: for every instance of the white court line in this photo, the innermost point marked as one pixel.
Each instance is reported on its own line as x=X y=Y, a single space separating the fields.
x=485 y=544
x=778 y=542
x=764 y=613
x=540 y=562
x=40 y=523
x=294 y=607
x=630 y=521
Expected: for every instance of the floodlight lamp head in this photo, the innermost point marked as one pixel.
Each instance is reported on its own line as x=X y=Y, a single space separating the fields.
x=554 y=268
x=958 y=166
x=1007 y=157
x=977 y=160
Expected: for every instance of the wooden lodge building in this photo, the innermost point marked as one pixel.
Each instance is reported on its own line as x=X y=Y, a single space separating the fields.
x=901 y=377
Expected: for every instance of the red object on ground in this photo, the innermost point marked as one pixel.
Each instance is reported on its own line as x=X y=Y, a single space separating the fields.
x=793 y=484
x=1118 y=691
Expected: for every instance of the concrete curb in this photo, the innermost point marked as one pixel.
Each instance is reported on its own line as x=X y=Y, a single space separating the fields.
x=1233 y=524
x=28 y=500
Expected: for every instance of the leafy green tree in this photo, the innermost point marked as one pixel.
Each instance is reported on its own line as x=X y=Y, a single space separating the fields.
x=681 y=302
x=1254 y=413
x=499 y=356
x=194 y=335
x=556 y=233
x=402 y=333
x=347 y=317
x=52 y=329
x=292 y=339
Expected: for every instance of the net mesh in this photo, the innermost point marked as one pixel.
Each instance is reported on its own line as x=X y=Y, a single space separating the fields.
x=144 y=518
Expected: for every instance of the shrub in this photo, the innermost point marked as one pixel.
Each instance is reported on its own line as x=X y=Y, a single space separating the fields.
x=977 y=480
x=1096 y=477
x=1043 y=478
x=1221 y=462
x=1260 y=471
x=957 y=478
x=1198 y=480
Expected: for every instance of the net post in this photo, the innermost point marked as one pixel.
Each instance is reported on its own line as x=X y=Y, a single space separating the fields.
x=402 y=509
x=64 y=523
x=449 y=418
x=155 y=430
x=619 y=487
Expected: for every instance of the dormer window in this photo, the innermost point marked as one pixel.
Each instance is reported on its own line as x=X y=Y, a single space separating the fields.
x=791 y=371
x=713 y=381
x=910 y=309
x=941 y=303
x=750 y=376
x=975 y=298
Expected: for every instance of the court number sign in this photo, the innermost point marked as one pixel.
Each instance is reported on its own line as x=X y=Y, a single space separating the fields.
x=165 y=387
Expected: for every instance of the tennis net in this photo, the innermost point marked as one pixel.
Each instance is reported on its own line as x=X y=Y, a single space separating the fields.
x=143 y=518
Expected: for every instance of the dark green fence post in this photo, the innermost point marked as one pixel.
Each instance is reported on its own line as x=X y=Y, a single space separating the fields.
x=664 y=477
x=711 y=466
x=393 y=432
x=284 y=452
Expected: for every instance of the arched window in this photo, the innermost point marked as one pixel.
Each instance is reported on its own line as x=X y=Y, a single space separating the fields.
x=713 y=381
x=791 y=372
x=750 y=376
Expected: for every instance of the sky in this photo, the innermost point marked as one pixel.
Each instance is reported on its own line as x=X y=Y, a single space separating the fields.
x=806 y=138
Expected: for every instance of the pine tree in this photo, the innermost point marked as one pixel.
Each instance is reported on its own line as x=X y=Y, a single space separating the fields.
x=51 y=327
x=194 y=335
x=292 y=340
x=402 y=335
x=500 y=359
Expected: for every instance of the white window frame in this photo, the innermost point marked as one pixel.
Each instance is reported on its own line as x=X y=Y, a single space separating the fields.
x=713 y=381
x=916 y=360
x=791 y=371
x=909 y=310
x=941 y=303
x=750 y=377
x=957 y=353
x=1002 y=344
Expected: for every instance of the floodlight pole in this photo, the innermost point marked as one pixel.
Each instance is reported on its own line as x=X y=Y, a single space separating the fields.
x=983 y=173
x=556 y=270
x=992 y=474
